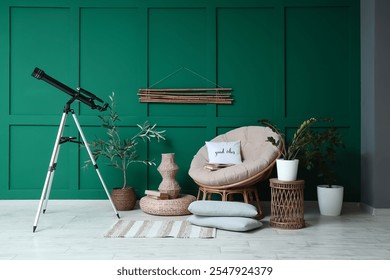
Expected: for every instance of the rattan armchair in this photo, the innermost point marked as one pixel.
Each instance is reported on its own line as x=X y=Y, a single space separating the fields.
x=258 y=159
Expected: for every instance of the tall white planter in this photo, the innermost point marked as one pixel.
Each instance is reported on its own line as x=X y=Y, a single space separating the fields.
x=287 y=169
x=330 y=200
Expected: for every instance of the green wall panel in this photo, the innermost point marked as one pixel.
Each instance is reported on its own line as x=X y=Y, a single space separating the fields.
x=110 y=47
x=317 y=61
x=179 y=59
x=285 y=60
x=246 y=60
x=31 y=148
x=39 y=37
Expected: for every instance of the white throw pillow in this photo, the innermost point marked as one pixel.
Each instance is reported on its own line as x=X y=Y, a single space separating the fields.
x=226 y=223
x=222 y=209
x=224 y=152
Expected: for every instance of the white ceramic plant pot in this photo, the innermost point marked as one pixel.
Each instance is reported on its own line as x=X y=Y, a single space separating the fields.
x=330 y=200
x=287 y=169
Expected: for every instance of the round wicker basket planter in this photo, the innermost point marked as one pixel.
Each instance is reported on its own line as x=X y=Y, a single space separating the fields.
x=124 y=199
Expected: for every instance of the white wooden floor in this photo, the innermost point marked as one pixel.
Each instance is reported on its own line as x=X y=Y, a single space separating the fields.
x=73 y=229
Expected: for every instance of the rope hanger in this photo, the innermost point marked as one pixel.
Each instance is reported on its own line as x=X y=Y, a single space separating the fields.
x=189 y=70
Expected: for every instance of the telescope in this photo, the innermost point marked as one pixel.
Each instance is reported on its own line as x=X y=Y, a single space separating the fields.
x=87 y=98
x=82 y=95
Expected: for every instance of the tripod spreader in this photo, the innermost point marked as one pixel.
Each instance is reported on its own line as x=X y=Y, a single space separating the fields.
x=72 y=139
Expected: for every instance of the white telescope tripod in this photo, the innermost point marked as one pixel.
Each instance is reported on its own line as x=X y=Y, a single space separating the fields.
x=53 y=162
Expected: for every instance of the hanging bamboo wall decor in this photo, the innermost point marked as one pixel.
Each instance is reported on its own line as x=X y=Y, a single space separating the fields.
x=186 y=95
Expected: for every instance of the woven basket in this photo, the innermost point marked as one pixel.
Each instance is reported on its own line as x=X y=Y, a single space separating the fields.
x=124 y=199
x=167 y=207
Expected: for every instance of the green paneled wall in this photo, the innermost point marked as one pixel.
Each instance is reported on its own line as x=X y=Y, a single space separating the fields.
x=316 y=72
x=240 y=32
x=285 y=60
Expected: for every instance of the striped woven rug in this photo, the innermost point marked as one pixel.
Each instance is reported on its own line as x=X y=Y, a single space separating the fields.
x=158 y=229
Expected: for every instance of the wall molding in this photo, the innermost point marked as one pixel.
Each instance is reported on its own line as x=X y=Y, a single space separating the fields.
x=375 y=211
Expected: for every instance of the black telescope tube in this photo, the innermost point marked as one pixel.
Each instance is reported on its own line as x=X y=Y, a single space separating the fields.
x=93 y=96
x=41 y=75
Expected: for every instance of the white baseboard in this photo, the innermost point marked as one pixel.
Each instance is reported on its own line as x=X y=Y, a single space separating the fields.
x=346 y=205
x=312 y=204
x=375 y=211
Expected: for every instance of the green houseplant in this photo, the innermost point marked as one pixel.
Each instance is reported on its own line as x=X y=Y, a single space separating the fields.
x=321 y=154
x=320 y=157
x=287 y=166
x=122 y=152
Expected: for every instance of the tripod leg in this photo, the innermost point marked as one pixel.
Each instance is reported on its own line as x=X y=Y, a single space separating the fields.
x=50 y=172
x=51 y=180
x=94 y=162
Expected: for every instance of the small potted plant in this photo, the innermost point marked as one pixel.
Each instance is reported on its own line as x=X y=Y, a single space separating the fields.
x=287 y=166
x=320 y=156
x=122 y=152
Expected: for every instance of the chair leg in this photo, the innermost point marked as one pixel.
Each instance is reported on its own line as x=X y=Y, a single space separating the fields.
x=245 y=195
x=199 y=192
x=260 y=214
x=250 y=194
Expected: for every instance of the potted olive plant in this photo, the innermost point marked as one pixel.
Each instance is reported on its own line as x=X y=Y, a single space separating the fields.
x=287 y=166
x=320 y=156
x=122 y=152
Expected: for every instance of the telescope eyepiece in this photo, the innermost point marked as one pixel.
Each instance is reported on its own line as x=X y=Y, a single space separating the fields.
x=38 y=73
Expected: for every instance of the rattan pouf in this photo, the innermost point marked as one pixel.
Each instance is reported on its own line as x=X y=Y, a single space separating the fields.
x=167 y=207
x=287 y=204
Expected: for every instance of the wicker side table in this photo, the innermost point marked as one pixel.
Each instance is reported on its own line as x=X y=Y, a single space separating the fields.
x=287 y=204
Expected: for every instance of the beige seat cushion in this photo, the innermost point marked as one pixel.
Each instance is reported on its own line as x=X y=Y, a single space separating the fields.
x=256 y=153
